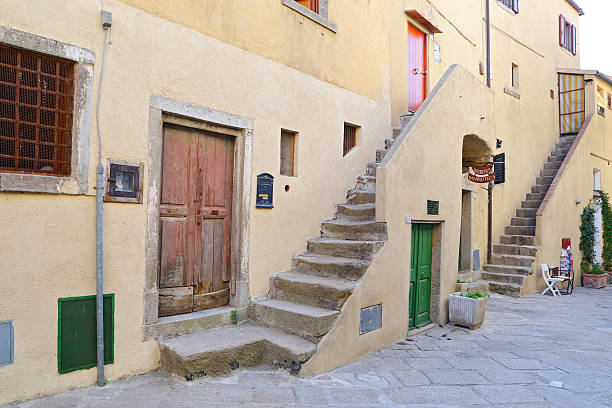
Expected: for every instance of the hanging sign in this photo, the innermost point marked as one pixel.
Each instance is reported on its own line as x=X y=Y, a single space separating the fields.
x=482 y=174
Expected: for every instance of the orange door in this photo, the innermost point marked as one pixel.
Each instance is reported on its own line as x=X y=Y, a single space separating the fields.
x=195 y=215
x=417 y=67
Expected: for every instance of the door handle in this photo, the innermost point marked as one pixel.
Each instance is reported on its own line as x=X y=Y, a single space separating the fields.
x=415 y=71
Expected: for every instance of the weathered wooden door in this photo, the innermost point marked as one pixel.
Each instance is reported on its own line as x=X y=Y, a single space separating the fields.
x=420 y=276
x=417 y=67
x=195 y=214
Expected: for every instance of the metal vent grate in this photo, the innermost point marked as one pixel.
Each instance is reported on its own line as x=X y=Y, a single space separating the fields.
x=36 y=100
x=432 y=207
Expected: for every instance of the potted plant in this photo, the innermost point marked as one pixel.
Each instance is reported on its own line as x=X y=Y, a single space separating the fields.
x=467 y=309
x=593 y=276
x=606 y=215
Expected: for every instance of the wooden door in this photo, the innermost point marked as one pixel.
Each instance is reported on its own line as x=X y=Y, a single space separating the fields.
x=420 y=276
x=417 y=67
x=195 y=215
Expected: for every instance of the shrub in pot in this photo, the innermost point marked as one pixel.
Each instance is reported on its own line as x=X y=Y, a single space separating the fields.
x=593 y=276
x=467 y=309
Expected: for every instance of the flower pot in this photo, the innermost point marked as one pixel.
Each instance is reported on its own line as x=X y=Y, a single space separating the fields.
x=594 y=281
x=461 y=287
x=609 y=276
x=465 y=311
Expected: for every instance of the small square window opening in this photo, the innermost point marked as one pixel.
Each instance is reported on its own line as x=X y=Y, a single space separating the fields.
x=350 y=138
x=124 y=182
x=515 y=76
x=287 y=153
x=310 y=4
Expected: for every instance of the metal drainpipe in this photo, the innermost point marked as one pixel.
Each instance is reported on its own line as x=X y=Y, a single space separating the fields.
x=99 y=218
x=490 y=189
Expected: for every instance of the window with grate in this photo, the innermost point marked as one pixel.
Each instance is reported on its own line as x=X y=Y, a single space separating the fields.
x=310 y=4
x=511 y=4
x=36 y=100
x=350 y=138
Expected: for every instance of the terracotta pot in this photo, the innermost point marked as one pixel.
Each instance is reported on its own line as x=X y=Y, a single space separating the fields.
x=466 y=311
x=594 y=281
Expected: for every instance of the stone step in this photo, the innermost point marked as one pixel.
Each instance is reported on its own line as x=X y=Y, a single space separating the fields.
x=531 y=203
x=552 y=165
x=218 y=351
x=535 y=196
x=405 y=119
x=515 y=249
x=371 y=168
x=396 y=132
x=514 y=260
x=559 y=151
x=361 y=197
x=389 y=143
x=522 y=221
x=344 y=248
x=366 y=183
x=330 y=265
x=367 y=230
x=545 y=180
x=380 y=155
x=555 y=159
x=328 y=292
x=503 y=278
x=517 y=240
x=356 y=211
x=508 y=289
x=566 y=141
x=519 y=230
x=539 y=188
x=303 y=320
x=526 y=212
x=508 y=269
x=548 y=172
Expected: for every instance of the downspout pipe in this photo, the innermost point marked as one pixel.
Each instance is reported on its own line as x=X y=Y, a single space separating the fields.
x=99 y=225
x=490 y=188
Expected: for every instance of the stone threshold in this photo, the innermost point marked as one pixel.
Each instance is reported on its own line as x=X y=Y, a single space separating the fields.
x=421 y=330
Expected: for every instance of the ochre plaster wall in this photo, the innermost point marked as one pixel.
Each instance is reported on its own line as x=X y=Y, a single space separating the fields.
x=49 y=241
x=404 y=183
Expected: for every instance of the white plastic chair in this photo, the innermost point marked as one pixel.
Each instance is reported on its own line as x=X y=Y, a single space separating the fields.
x=551 y=282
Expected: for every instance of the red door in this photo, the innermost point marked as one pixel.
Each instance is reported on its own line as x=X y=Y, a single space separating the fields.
x=417 y=67
x=195 y=213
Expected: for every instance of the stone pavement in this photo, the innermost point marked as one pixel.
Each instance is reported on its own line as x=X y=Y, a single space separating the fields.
x=536 y=351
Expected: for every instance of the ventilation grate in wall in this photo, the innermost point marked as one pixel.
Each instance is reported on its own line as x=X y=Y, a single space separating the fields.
x=432 y=207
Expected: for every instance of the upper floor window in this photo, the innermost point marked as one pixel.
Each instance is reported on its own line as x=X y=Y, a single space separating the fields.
x=310 y=4
x=567 y=35
x=36 y=102
x=511 y=4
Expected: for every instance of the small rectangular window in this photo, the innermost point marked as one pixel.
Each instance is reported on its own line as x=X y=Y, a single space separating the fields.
x=350 y=138
x=567 y=35
x=515 y=76
x=609 y=101
x=287 y=153
x=36 y=101
x=511 y=4
x=310 y=4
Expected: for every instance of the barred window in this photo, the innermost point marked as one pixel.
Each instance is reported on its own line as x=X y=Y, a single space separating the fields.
x=36 y=102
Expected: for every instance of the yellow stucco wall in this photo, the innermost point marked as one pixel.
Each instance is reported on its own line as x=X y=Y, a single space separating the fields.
x=49 y=241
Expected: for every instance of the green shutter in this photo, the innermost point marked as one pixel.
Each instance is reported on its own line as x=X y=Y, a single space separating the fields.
x=76 y=341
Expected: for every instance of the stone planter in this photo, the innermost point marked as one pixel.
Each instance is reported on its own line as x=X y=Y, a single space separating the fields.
x=594 y=281
x=609 y=276
x=464 y=311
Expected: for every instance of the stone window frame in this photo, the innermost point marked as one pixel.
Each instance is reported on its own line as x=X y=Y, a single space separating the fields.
x=77 y=182
x=321 y=18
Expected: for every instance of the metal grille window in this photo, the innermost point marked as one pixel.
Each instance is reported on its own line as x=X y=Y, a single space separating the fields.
x=511 y=4
x=36 y=101
x=350 y=138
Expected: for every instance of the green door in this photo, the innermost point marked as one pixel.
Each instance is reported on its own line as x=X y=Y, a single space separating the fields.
x=420 y=276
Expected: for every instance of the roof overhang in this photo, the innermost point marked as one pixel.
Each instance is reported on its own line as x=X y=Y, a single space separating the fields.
x=576 y=7
x=424 y=21
x=604 y=77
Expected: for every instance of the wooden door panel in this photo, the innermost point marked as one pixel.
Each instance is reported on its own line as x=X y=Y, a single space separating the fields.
x=173 y=301
x=420 y=276
x=210 y=300
x=175 y=166
x=208 y=256
x=173 y=254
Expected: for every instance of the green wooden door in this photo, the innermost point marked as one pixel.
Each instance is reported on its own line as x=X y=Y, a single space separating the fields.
x=420 y=276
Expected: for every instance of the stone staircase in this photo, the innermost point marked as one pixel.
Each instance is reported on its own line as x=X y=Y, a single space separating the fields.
x=284 y=328
x=512 y=258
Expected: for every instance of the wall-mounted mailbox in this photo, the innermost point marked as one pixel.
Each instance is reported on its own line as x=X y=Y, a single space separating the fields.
x=265 y=191
x=124 y=182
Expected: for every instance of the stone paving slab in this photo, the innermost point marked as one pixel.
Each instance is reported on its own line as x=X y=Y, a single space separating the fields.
x=510 y=361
